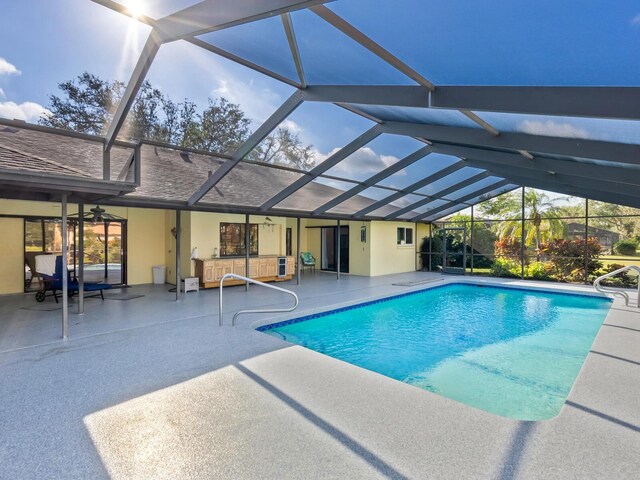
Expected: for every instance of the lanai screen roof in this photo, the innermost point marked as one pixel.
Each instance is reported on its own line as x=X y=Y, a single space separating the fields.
x=551 y=122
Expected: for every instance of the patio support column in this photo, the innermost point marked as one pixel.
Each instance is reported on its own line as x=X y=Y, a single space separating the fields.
x=106 y=250
x=415 y=247
x=65 y=286
x=178 y=214
x=522 y=237
x=471 y=239
x=247 y=244
x=80 y=272
x=430 y=245
x=338 y=253
x=586 y=240
x=297 y=263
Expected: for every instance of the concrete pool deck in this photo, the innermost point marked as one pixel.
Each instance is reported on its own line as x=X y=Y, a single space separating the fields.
x=151 y=388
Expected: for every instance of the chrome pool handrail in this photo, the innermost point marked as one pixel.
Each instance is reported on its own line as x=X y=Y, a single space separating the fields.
x=620 y=293
x=264 y=310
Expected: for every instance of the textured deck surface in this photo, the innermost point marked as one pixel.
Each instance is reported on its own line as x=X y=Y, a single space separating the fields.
x=151 y=388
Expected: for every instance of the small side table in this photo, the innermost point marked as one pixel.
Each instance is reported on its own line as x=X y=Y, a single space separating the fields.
x=190 y=284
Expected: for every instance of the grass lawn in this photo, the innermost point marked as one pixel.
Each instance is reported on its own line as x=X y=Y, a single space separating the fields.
x=623 y=260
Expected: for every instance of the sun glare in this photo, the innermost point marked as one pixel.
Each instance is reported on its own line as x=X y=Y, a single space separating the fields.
x=135 y=7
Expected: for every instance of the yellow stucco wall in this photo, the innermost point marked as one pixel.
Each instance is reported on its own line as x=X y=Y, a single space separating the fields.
x=388 y=257
x=146 y=239
x=11 y=254
x=150 y=241
x=145 y=243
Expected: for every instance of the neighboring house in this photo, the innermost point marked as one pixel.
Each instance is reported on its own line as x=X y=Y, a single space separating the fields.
x=168 y=178
x=606 y=238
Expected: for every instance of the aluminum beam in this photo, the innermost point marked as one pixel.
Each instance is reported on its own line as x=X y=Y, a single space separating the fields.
x=439 y=195
x=293 y=45
x=371 y=181
x=178 y=255
x=553 y=185
x=254 y=139
x=568 y=167
x=599 y=102
x=145 y=60
x=411 y=188
x=210 y=15
x=572 y=180
x=568 y=147
x=330 y=162
x=80 y=273
x=242 y=61
x=375 y=48
x=435 y=211
x=65 y=263
x=389 y=95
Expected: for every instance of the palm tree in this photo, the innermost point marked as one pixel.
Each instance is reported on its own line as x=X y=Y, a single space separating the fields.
x=541 y=215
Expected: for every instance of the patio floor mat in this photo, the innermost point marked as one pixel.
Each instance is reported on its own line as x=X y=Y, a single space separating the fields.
x=121 y=296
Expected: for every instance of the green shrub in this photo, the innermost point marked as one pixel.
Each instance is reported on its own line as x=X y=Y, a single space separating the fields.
x=627 y=246
x=503 y=267
x=538 y=271
x=567 y=258
x=621 y=280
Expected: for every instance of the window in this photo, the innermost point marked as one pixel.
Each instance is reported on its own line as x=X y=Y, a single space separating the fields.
x=232 y=237
x=405 y=236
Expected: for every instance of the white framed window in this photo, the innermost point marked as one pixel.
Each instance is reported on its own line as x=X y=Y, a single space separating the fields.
x=405 y=236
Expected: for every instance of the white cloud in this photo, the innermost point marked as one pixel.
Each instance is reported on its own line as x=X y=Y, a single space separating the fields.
x=364 y=163
x=7 y=68
x=292 y=126
x=257 y=104
x=27 y=111
x=636 y=20
x=552 y=129
x=2 y=95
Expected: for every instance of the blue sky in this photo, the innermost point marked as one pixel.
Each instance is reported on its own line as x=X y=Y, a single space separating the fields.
x=503 y=42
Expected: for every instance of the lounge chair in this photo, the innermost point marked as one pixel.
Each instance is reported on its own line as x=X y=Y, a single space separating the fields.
x=307 y=261
x=53 y=283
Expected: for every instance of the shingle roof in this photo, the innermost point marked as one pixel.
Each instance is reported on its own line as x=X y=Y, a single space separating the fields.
x=81 y=156
x=13 y=159
x=167 y=174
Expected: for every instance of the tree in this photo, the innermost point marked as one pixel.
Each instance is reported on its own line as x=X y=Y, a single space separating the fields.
x=86 y=106
x=222 y=127
x=618 y=218
x=88 y=103
x=540 y=213
x=285 y=148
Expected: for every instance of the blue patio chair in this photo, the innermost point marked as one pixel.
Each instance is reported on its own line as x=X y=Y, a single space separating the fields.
x=307 y=261
x=53 y=283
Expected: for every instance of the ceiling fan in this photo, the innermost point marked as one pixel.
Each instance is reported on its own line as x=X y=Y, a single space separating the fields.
x=98 y=214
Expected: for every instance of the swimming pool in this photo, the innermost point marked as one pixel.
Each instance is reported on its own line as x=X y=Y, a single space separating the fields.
x=512 y=352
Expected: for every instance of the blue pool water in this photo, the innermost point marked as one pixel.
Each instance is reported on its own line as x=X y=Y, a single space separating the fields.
x=512 y=352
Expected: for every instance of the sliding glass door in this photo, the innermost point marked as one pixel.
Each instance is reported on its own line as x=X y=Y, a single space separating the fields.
x=329 y=247
x=104 y=249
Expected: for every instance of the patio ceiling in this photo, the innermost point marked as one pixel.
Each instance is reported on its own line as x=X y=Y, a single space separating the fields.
x=471 y=132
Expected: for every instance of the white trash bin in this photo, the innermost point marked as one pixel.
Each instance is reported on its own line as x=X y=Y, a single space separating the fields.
x=159 y=274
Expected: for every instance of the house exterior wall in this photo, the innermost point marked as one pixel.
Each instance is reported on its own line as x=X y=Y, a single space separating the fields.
x=378 y=255
x=11 y=253
x=150 y=241
x=386 y=256
x=146 y=240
